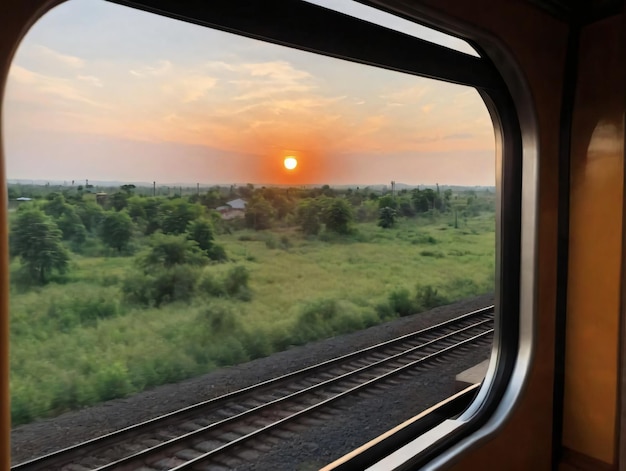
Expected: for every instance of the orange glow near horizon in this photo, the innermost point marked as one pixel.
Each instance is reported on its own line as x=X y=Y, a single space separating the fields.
x=161 y=110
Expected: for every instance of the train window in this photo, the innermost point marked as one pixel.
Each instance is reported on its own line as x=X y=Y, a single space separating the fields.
x=246 y=239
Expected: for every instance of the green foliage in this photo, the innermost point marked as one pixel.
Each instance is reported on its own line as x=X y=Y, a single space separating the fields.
x=56 y=206
x=90 y=214
x=427 y=297
x=168 y=250
x=72 y=227
x=118 y=325
x=387 y=201
x=325 y=317
x=387 y=217
x=400 y=302
x=308 y=216
x=176 y=215
x=119 y=200
x=219 y=318
x=136 y=209
x=116 y=229
x=236 y=283
x=201 y=231
x=37 y=241
x=431 y=253
x=259 y=213
x=338 y=216
x=162 y=285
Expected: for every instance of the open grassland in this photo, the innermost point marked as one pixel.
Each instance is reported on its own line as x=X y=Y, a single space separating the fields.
x=78 y=340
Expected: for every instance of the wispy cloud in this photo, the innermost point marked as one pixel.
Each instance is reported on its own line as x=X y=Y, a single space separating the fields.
x=196 y=86
x=95 y=81
x=46 y=85
x=162 y=67
x=66 y=59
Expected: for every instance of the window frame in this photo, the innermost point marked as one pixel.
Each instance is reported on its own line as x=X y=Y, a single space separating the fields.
x=298 y=24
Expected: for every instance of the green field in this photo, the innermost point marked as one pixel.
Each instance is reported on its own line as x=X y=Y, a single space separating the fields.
x=86 y=335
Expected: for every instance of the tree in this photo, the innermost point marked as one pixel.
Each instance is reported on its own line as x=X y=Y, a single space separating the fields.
x=169 y=250
x=36 y=239
x=387 y=201
x=116 y=229
x=177 y=214
x=128 y=189
x=338 y=216
x=72 y=227
x=387 y=217
x=119 y=200
x=308 y=216
x=259 y=213
x=201 y=231
x=90 y=214
x=56 y=205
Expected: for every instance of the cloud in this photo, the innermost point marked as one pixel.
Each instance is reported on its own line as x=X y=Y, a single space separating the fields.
x=195 y=87
x=263 y=80
x=46 y=85
x=95 y=81
x=161 y=68
x=412 y=94
x=66 y=59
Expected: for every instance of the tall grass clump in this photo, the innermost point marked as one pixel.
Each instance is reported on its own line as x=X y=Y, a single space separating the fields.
x=327 y=317
x=162 y=286
x=218 y=328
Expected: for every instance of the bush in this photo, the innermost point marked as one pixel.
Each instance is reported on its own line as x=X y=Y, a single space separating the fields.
x=166 y=285
x=217 y=253
x=431 y=253
x=400 y=302
x=236 y=283
x=112 y=381
x=211 y=286
x=219 y=319
x=326 y=317
x=428 y=297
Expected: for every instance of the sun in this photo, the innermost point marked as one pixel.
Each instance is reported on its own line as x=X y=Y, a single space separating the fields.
x=290 y=163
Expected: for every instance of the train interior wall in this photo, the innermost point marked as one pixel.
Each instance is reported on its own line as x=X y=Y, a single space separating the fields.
x=591 y=400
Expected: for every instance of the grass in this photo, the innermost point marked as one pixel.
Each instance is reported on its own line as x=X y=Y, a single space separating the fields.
x=77 y=341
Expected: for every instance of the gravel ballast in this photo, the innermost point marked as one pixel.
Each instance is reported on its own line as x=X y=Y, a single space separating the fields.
x=352 y=424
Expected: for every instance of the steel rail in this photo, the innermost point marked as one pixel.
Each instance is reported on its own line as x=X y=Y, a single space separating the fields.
x=139 y=456
x=308 y=410
x=81 y=449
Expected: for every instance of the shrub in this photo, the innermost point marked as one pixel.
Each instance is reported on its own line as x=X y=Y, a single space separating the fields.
x=236 y=282
x=217 y=253
x=431 y=253
x=218 y=318
x=400 y=302
x=211 y=286
x=112 y=381
x=166 y=285
x=428 y=297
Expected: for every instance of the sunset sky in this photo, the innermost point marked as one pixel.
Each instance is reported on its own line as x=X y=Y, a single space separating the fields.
x=104 y=92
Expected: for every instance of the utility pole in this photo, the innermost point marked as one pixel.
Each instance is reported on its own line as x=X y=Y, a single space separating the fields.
x=153 y=188
x=198 y=189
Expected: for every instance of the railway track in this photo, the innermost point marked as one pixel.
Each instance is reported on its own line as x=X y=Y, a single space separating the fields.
x=211 y=434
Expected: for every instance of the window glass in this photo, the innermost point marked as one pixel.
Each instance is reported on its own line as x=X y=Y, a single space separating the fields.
x=183 y=200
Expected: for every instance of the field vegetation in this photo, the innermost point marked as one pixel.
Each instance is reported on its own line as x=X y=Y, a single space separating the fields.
x=116 y=293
